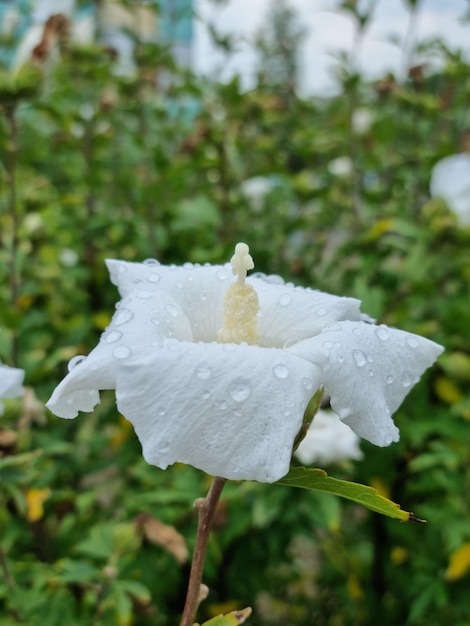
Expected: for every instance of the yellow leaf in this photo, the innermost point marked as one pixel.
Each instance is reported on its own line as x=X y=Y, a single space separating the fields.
x=459 y=562
x=447 y=391
x=35 y=499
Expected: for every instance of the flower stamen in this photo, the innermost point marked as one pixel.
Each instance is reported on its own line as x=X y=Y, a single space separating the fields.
x=241 y=305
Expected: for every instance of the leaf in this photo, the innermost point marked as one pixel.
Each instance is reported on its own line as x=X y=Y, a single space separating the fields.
x=232 y=619
x=318 y=480
x=459 y=563
x=160 y=534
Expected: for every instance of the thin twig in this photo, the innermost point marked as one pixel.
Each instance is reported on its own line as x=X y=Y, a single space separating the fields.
x=206 y=509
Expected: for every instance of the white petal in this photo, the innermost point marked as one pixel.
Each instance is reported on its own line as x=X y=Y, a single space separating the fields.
x=328 y=440
x=141 y=321
x=11 y=379
x=290 y=314
x=230 y=410
x=368 y=371
x=199 y=291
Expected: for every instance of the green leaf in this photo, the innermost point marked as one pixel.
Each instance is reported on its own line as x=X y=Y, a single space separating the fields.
x=232 y=619
x=318 y=480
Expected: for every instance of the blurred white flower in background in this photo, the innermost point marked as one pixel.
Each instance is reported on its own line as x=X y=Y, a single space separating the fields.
x=362 y=120
x=450 y=180
x=341 y=166
x=328 y=440
x=11 y=379
x=255 y=189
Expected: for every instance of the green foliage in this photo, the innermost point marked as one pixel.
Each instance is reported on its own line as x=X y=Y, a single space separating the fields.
x=97 y=165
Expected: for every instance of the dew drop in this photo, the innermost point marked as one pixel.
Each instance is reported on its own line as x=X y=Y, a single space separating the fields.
x=240 y=391
x=357 y=331
x=206 y=394
x=223 y=405
x=203 y=296
x=407 y=379
x=330 y=327
x=161 y=412
x=321 y=311
x=411 y=341
x=123 y=316
x=121 y=352
x=188 y=265
x=72 y=364
x=151 y=262
x=369 y=359
x=203 y=371
x=163 y=446
x=221 y=274
x=143 y=294
x=280 y=371
x=307 y=383
x=153 y=277
x=389 y=379
x=112 y=336
x=285 y=299
x=382 y=333
x=340 y=358
x=229 y=347
x=171 y=310
x=359 y=358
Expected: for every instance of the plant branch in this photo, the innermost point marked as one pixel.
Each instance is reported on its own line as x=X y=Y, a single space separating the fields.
x=206 y=509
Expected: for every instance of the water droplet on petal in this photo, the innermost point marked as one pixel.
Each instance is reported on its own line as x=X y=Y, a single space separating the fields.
x=356 y=331
x=203 y=296
x=121 y=352
x=223 y=405
x=389 y=379
x=330 y=327
x=359 y=358
x=307 y=383
x=144 y=294
x=280 y=371
x=172 y=310
x=382 y=333
x=188 y=265
x=321 y=311
x=285 y=299
x=153 y=277
x=221 y=274
x=151 y=262
x=407 y=379
x=72 y=364
x=411 y=341
x=240 y=391
x=123 y=316
x=206 y=394
x=203 y=371
x=112 y=336
x=163 y=446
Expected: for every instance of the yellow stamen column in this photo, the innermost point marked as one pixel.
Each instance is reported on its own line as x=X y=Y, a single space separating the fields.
x=241 y=306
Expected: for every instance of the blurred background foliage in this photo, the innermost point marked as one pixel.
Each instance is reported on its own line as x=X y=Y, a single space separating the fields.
x=330 y=193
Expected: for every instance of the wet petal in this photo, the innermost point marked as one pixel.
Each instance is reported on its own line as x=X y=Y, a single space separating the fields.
x=199 y=291
x=230 y=410
x=141 y=321
x=368 y=371
x=290 y=314
x=11 y=379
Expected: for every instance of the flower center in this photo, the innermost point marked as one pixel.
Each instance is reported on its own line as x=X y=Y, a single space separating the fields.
x=241 y=306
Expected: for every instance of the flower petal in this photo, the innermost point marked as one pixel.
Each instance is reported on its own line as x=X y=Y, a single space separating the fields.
x=199 y=291
x=11 y=379
x=141 y=321
x=290 y=314
x=368 y=371
x=230 y=410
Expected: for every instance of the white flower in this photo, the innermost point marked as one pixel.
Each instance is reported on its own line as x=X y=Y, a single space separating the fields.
x=362 y=120
x=450 y=180
x=341 y=166
x=11 y=379
x=328 y=440
x=234 y=410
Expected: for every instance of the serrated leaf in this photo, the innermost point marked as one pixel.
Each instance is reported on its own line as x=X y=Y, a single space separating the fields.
x=318 y=480
x=232 y=619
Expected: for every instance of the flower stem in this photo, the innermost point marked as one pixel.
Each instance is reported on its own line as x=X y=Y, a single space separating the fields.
x=206 y=509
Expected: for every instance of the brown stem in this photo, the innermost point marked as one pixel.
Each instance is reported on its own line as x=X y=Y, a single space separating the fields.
x=206 y=509
x=11 y=166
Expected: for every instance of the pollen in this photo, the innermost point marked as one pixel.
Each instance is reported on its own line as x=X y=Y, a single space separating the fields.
x=241 y=305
